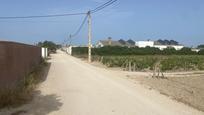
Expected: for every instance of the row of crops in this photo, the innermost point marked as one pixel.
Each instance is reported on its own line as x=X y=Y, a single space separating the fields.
x=165 y=63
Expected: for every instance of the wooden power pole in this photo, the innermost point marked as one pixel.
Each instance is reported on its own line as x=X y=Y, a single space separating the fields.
x=89 y=36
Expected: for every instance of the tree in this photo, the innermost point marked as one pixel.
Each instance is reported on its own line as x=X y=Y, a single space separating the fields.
x=122 y=41
x=169 y=51
x=168 y=42
x=173 y=42
x=160 y=42
x=131 y=42
x=201 y=52
x=201 y=46
x=52 y=47
x=186 y=51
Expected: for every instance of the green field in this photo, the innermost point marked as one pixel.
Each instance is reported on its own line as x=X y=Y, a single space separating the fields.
x=140 y=59
x=148 y=62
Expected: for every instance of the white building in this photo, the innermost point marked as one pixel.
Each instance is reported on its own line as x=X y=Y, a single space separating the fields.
x=99 y=44
x=110 y=42
x=161 y=47
x=69 y=50
x=143 y=44
x=44 y=52
x=177 y=47
x=195 y=50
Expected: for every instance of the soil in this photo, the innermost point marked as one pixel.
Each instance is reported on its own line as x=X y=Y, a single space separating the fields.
x=188 y=89
x=185 y=87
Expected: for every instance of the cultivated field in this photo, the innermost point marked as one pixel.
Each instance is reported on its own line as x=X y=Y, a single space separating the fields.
x=183 y=87
x=183 y=75
x=148 y=62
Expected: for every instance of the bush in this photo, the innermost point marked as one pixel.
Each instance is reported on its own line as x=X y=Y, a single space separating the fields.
x=140 y=62
x=201 y=52
x=22 y=93
x=123 y=51
x=52 y=47
x=183 y=63
x=167 y=63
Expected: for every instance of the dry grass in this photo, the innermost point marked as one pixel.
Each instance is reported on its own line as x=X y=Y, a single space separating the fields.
x=12 y=97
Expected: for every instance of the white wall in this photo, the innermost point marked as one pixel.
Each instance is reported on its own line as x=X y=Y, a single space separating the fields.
x=44 y=52
x=161 y=47
x=178 y=47
x=195 y=50
x=99 y=44
x=69 y=50
x=143 y=44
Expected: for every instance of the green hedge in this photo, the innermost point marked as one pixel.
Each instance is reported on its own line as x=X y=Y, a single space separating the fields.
x=145 y=58
x=118 y=51
x=167 y=63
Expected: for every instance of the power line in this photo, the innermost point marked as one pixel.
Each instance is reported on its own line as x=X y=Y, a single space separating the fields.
x=61 y=15
x=103 y=6
x=80 y=27
x=92 y=11
x=42 y=16
x=68 y=14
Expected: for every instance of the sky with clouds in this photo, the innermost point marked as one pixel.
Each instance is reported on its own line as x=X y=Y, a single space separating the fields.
x=181 y=20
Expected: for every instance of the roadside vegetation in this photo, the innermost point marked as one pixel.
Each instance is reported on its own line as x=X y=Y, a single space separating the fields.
x=22 y=93
x=147 y=62
x=182 y=69
x=141 y=59
x=52 y=47
x=124 y=51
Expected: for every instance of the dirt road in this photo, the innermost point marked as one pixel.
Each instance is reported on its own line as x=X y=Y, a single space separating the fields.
x=74 y=87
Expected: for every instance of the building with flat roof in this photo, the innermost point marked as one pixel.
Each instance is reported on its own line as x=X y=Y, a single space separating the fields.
x=156 y=44
x=110 y=42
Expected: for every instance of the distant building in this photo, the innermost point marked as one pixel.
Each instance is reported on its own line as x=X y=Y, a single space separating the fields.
x=143 y=44
x=195 y=50
x=156 y=44
x=110 y=42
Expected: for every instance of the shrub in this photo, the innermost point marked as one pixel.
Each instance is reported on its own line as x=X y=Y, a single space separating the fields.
x=123 y=51
x=22 y=93
x=167 y=63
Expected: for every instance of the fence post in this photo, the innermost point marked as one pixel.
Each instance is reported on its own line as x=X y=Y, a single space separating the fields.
x=130 y=69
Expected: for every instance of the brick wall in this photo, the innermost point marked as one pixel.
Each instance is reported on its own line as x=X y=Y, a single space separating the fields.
x=17 y=60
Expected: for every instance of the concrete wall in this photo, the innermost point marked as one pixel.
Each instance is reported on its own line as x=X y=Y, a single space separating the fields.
x=177 y=47
x=44 y=52
x=161 y=47
x=69 y=50
x=143 y=44
x=17 y=60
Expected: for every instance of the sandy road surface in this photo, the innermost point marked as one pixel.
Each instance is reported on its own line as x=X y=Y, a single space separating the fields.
x=74 y=87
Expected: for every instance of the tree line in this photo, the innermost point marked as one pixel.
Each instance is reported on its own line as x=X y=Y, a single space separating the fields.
x=52 y=47
x=117 y=51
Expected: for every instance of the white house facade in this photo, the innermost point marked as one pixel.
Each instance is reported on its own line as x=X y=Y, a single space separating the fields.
x=143 y=44
x=161 y=47
x=177 y=47
x=99 y=44
x=44 y=52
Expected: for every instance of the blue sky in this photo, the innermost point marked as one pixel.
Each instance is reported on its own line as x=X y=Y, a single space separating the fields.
x=181 y=20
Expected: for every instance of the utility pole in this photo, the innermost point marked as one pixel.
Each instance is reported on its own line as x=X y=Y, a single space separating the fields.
x=70 y=42
x=89 y=36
